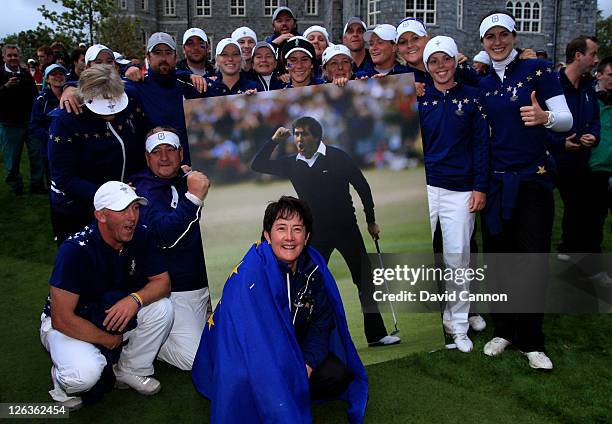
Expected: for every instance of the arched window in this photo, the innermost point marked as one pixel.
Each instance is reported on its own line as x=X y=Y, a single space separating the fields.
x=527 y=15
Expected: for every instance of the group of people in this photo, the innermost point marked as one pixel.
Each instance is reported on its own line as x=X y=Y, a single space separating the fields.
x=129 y=284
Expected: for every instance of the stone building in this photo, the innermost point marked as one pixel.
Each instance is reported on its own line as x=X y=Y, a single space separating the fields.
x=543 y=24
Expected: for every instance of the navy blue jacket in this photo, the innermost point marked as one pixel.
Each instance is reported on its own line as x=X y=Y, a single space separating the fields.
x=87 y=266
x=218 y=87
x=174 y=224
x=313 y=81
x=275 y=83
x=161 y=97
x=366 y=65
x=464 y=75
x=455 y=139
x=84 y=153
x=16 y=101
x=40 y=120
x=398 y=68
x=582 y=102
x=182 y=65
x=515 y=147
x=311 y=312
x=518 y=153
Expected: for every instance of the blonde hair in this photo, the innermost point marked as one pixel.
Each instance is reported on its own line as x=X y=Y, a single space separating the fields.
x=99 y=81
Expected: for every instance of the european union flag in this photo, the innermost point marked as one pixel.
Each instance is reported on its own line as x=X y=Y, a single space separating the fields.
x=249 y=363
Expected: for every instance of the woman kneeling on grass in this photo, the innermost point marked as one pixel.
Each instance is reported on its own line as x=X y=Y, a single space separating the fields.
x=278 y=338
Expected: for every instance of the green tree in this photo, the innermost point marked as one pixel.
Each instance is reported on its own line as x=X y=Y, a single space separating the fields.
x=30 y=40
x=81 y=18
x=604 y=35
x=120 y=33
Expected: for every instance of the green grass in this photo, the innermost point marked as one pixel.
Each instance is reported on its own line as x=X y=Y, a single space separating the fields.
x=407 y=384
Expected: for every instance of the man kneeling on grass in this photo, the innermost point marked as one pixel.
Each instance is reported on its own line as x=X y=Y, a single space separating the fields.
x=107 y=313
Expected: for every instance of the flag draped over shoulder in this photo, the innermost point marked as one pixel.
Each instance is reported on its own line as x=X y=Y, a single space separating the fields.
x=249 y=363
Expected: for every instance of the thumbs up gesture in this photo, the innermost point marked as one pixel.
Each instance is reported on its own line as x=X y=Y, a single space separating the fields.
x=533 y=115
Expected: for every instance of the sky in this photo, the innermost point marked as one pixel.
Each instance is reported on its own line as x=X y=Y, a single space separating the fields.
x=18 y=15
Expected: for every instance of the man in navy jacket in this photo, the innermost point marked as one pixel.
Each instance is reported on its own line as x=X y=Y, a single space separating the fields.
x=572 y=158
x=172 y=217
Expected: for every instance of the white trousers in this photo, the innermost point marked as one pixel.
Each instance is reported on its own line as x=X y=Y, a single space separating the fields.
x=451 y=209
x=78 y=365
x=190 y=315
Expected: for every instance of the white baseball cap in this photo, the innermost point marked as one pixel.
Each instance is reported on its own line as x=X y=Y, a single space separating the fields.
x=162 y=137
x=194 y=32
x=101 y=105
x=482 y=57
x=120 y=59
x=334 y=50
x=411 y=25
x=244 y=32
x=317 y=28
x=384 y=31
x=266 y=45
x=223 y=44
x=116 y=196
x=354 y=20
x=160 y=38
x=92 y=53
x=496 y=19
x=443 y=44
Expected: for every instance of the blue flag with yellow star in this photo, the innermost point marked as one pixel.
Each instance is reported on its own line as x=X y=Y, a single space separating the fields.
x=249 y=363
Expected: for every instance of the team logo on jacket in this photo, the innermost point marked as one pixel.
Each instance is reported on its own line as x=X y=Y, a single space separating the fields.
x=459 y=111
x=133 y=268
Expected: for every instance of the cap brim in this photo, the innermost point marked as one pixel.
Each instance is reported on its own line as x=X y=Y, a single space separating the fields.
x=298 y=49
x=123 y=61
x=102 y=106
x=120 y=205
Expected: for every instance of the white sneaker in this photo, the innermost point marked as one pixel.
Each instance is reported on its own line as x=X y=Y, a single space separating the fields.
x=495 y=346
x=564 y=257
x=601 y=279
x=386 y=341
x=71 y=403
x=143 y=385
x=539 y=361
x=463 y=342
x=477 y=323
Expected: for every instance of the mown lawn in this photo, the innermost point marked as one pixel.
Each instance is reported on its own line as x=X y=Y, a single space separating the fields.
x=407 y=384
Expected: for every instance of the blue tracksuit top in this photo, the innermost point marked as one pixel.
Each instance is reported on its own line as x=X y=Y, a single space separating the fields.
x=515 y=147
x=174 y=224
x=85 y=151
x=455 y=139
x=218 y=88
x=161 y=97
x=582 y=102
x=40 y=120
x=398 y=68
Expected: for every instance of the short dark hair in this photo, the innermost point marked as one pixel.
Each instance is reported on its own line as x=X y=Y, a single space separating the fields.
x=46 y=50
x=76 y=54
x=578 y=44
x=285 y=208
x=312 y=124
x=605 y=62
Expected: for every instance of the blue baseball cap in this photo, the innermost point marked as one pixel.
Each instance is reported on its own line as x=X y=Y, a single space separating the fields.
x=54 y=67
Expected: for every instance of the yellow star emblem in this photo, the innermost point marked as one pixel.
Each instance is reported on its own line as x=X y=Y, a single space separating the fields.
x=454 y=101
x=466 y=101
x=509 y=89
x=519 y=84
x=541 y=170
x=435 y=102
x=425 y=103
x=235 y=269
x=211 y=321
x=97 y=135
x=529 y=78
x=107 y=133
x=86 y=135
x=57 y=139
x=538 y=72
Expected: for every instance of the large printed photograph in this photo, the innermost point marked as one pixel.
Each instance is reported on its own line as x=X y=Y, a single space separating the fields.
x=375 y=124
